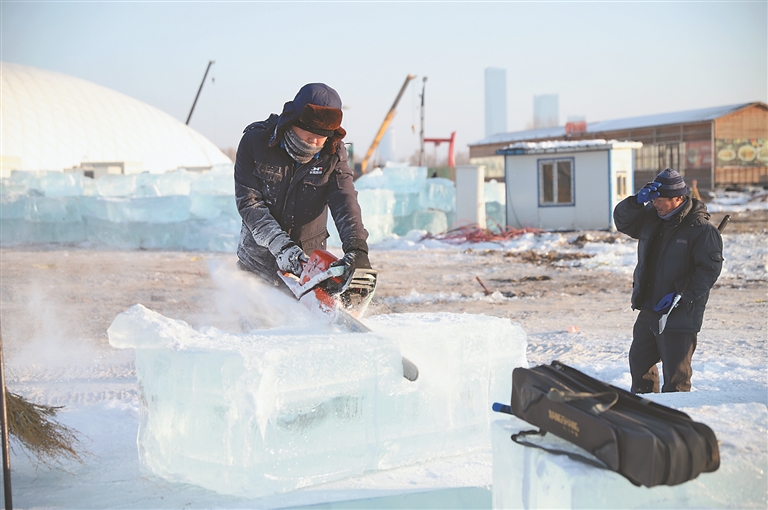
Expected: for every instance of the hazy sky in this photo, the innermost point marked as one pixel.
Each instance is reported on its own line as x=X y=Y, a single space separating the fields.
x=606 y=60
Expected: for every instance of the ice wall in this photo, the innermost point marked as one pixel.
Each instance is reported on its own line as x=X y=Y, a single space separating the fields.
x=525 y=477
x=396 y=200
x=196 y=211
x=175 y=210
x=279 y=409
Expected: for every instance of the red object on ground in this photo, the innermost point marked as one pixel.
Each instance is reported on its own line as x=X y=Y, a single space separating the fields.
x=475 y=234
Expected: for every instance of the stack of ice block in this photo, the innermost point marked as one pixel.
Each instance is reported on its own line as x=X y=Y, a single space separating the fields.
x=275 y=410
x=175 y=210
x=414 y=202
x=526 y=477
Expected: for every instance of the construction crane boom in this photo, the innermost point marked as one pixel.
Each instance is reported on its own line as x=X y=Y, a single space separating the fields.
x=385 y=124
x=210 y=63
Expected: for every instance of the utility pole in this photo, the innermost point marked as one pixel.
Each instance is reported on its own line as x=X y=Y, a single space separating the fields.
x=210 y=63
x=5 y=429
x=421 y=135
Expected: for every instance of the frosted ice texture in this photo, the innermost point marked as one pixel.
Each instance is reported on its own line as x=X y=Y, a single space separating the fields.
x=197 y=211
x=276 y=410
x=525 y=477
x=59 y=184
x=175 y=210
x=417 y=203
x=495 y=196
x=495 y=191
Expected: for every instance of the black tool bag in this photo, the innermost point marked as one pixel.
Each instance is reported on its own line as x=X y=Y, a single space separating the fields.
x=647 y=443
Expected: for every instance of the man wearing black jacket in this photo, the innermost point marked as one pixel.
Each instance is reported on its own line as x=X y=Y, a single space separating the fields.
x=289 y=171
x=678 y=250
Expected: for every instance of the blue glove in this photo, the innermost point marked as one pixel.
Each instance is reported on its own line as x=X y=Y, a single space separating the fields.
x=648 y=193
x=664 y=302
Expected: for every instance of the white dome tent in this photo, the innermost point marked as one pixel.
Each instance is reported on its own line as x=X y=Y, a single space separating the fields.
x=51 y=121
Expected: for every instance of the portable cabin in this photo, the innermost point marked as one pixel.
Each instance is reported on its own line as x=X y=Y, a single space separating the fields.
x=567 y=185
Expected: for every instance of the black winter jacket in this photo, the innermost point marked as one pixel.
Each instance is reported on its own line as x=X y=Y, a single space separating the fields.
x=689 y=251
x=280 y=201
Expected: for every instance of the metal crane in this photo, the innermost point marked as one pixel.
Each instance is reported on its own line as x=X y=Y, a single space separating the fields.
x=385 y=124
x=210 y=62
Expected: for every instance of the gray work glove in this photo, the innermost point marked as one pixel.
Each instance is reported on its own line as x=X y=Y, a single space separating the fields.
x=291 y=259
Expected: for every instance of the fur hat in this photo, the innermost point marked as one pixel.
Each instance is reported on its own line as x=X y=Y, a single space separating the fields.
x=316 y=108
x=672 y=184
x=320 y=120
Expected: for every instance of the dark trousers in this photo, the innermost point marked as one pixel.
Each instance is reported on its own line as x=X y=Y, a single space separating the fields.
x=673 y=349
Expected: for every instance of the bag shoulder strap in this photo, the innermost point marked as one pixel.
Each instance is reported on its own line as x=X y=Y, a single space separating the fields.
x=519 y=438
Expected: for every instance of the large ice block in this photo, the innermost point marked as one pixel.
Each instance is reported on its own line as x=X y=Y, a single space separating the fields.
x=27 y=181
x=219 y=180
x=116 y=185
x=398 y=179
x=279 y=409
x=61 y=184
x=9 y=185
x=433 y=221
x=495 y=191
x=376 y=201
x=13 y=206
x=52 y=210
x=525 y=477
x=495 y=216
x=178 y=182
x=405 y=204
x=162 y=209
x=438 y=193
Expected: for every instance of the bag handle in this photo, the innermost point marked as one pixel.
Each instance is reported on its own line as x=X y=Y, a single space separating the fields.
x=519 y=438
x=556 y=395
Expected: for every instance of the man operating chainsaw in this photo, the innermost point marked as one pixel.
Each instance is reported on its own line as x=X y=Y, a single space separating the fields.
x=289 y=171
x=679 y=258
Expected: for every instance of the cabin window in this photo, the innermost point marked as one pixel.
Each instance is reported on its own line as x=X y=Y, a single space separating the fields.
x=621 y=185
x=556 y=182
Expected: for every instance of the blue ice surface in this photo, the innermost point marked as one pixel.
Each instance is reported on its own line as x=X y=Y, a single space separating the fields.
x=183 y=210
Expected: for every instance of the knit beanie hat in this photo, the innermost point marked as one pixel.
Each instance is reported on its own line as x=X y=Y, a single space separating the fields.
x=672 y=184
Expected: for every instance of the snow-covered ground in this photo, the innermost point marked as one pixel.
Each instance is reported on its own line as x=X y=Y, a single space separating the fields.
x=97 y=386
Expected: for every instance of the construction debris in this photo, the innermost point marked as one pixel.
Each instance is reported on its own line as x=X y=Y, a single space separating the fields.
x=475 y=234
x=534 y=257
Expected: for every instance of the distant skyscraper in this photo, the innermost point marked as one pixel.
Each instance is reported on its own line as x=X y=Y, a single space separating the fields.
x=545 y=111
x=495 y=101
x=387 y=147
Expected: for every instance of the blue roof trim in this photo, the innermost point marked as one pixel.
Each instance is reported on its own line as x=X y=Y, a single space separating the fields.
x=644 y=121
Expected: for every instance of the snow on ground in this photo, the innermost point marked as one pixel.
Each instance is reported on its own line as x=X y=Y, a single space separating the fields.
x=746 y=255
x=103 y=403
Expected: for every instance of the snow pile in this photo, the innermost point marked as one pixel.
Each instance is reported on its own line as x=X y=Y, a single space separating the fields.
x=558 y=144
x=273 y=410
x=737 y=201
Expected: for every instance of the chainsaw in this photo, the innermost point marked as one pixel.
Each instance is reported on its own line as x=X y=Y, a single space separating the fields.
x=344 y=308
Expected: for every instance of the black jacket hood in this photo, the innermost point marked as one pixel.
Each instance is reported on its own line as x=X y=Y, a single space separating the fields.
x=318 y=94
